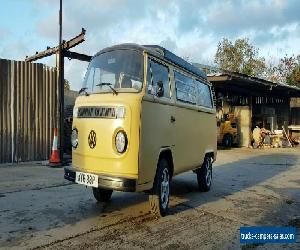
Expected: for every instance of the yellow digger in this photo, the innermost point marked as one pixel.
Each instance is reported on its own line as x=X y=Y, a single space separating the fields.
x=227 y=130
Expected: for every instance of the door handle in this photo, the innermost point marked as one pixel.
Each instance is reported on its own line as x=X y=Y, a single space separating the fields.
x=173 y=119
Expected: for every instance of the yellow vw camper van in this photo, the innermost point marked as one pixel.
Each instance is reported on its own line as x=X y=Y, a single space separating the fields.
x=143 y=116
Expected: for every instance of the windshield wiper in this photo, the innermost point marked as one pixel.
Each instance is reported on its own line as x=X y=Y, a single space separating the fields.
x=109 y=85
x=83 y=90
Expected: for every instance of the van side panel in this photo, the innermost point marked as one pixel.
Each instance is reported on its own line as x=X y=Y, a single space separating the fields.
x=195 y=135
x=156 y=133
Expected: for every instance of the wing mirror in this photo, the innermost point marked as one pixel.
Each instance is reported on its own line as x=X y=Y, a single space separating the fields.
x=160 y=89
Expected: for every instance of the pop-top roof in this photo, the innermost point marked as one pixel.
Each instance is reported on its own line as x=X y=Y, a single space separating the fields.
x=161 y=52
x=168 y=55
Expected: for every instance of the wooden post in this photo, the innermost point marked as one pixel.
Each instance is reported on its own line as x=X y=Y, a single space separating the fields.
x=61 y=86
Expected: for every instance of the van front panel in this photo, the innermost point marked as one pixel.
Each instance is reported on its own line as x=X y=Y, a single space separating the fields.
x=96 y=151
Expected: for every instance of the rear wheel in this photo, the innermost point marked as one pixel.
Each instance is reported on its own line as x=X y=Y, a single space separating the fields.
x=159 y=197
x=204 y=175
x=101 y=194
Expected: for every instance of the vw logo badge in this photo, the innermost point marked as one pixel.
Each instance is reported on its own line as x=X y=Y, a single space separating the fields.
x=92 y=139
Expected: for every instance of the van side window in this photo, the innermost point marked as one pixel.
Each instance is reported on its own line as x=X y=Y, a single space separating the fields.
x=204 y=95
x=158 y=79
x=185 y=88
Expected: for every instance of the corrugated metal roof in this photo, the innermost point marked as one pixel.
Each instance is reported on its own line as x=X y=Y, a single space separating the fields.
x=292 y=90
x=253 y=79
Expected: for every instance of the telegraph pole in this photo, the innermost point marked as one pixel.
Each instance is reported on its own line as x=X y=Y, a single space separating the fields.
x=62 y=50
x=61 y=86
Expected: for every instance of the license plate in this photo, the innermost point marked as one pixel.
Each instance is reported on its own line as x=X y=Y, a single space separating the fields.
x=87 y=179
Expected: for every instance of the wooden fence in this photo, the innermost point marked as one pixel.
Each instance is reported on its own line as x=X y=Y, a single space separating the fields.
x=28 y=110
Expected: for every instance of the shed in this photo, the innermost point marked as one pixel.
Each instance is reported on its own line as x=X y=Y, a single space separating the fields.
x=253 y=100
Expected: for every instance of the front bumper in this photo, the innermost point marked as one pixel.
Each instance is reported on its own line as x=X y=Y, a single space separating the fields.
x=107 y=182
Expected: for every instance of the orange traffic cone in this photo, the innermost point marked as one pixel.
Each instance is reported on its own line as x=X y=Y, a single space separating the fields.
x=54 y=158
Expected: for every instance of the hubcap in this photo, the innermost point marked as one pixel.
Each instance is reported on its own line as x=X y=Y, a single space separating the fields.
x=208 y=172
x=165 y=188
x=227 y=142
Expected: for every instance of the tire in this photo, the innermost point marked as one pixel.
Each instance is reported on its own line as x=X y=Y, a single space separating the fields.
x=160 y=193
x=255 y=145
x=101 y=194
x=227 y=141
x=204 y=175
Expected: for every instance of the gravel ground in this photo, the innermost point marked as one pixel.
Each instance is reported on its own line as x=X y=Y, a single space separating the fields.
x=39 y=209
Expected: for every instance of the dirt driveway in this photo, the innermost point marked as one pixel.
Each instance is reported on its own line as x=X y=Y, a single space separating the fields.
x=38 y=209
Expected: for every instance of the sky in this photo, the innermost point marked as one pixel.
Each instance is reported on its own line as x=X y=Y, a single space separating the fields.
x=189 y=28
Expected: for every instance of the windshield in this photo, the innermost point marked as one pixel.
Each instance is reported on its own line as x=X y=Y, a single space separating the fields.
x=119 y=70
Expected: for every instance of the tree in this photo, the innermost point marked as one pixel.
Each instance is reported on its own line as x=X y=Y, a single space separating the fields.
x=286 y=71
x=294 y=77
x=240 y=56
x=271 y=73
x=67 y=85
x=289 y=70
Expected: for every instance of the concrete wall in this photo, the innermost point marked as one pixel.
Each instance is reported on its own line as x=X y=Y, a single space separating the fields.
x=244 y=117
x=70 y=97
x=244 y=121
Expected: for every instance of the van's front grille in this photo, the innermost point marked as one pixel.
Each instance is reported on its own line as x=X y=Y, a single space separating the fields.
x=96 y=112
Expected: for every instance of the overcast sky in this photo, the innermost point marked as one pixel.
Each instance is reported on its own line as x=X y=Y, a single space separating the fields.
x=190 y=28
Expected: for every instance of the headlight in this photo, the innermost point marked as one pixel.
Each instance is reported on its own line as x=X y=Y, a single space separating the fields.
x=74 y=138
x=121 y=142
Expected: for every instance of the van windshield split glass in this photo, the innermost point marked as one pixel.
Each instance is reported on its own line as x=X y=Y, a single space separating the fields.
x=120 y=69
x=146 y=116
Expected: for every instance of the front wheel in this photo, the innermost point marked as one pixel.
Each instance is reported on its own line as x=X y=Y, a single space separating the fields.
x=227 y=141
x=101 y=194
x=159 y=197
x=204 y=175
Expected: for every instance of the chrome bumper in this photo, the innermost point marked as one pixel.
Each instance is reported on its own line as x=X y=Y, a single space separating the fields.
x=107 y=182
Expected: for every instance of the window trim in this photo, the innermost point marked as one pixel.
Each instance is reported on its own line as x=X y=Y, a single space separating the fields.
x=164 y=64
x=173 y=97
x=211 y=97
x=175 y=69
x=187 y=102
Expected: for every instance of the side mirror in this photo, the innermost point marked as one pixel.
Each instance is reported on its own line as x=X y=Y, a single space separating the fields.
x=160 y=89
